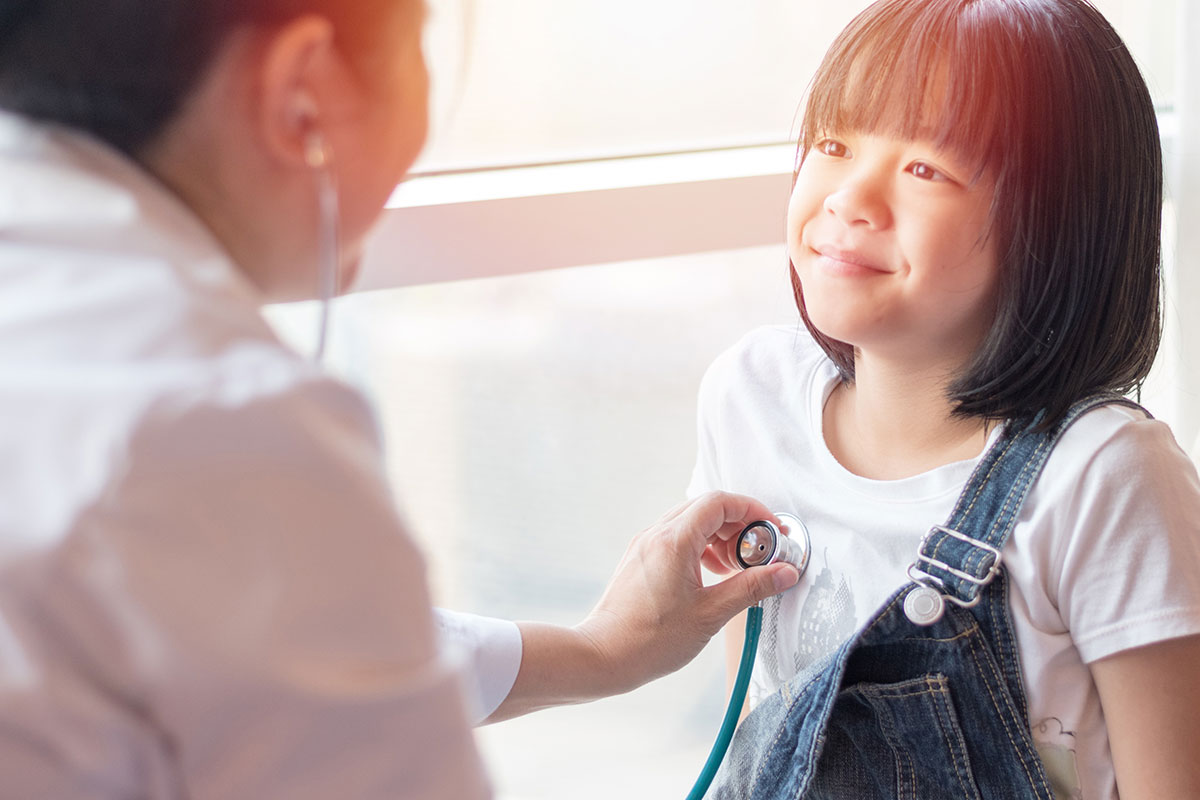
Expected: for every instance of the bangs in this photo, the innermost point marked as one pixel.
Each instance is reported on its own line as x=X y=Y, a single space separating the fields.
x=922 y=71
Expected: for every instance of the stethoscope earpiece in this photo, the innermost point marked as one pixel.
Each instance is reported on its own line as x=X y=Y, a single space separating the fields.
x=315 y=154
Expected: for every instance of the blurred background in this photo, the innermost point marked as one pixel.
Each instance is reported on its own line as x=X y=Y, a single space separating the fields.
x=538 y=397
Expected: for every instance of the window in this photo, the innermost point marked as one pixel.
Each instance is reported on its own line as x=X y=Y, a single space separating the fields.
x=537 y=385
x=545 y=81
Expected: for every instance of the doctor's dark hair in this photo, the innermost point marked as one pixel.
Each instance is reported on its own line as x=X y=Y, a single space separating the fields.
x=121 y=69
x=1046 y=99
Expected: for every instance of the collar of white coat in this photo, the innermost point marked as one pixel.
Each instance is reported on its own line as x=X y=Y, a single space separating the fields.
x=62 y=187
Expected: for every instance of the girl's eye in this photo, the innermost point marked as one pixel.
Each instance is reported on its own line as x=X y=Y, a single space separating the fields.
x=833 y=148
x=919 y=169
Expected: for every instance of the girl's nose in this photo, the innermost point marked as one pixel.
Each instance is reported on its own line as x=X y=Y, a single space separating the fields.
x=860 y=201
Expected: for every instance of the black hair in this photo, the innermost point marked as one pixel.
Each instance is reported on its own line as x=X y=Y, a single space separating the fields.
x=1045 y=97
x=121 y=69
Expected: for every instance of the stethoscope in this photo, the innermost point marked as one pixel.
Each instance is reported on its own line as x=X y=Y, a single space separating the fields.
x=763 y=542
x=760 y=543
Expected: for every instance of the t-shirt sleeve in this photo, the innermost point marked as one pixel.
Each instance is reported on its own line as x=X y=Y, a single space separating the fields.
x=260 y=601
x=1130 y=573
x=706 y=475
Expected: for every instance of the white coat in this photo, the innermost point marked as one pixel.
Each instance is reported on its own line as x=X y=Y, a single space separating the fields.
x=205 y=589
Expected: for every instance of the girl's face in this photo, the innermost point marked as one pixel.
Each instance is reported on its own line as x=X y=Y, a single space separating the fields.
x=889 y=240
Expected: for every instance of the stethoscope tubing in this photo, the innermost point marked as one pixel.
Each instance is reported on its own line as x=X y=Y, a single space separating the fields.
x=736 y=701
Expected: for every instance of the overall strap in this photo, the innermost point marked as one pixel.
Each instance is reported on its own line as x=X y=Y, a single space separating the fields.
x=957 y=559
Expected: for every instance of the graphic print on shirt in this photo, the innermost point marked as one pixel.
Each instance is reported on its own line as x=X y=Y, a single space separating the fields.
x=824 y=623
x=1057 y=749
x=769 y=641
x=827 y=618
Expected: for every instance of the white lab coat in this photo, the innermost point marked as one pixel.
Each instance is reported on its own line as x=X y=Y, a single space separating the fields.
x=205 y=590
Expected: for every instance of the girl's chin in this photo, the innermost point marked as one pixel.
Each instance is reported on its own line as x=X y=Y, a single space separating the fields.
x=845 y=328
x=836 y=318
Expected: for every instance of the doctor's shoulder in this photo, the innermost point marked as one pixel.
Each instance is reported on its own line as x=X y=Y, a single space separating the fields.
x=269 y=406
x=271 y=460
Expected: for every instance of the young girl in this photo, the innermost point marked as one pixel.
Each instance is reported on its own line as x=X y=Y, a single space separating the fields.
x=974 y=241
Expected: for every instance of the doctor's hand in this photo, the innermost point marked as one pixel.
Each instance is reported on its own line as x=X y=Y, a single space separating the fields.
x=656 y=614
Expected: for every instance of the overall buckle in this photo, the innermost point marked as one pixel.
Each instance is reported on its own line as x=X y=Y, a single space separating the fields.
x=925 y=604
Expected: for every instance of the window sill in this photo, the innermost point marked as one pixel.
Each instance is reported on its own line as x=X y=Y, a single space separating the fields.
x=517 y=220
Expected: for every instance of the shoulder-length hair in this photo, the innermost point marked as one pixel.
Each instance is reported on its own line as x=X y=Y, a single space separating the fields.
x=1048 y=101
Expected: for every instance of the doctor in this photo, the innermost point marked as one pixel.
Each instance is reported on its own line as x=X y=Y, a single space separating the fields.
x=205 y=590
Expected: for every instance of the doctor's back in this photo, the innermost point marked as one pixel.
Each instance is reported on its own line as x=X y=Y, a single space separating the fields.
x=205 y=590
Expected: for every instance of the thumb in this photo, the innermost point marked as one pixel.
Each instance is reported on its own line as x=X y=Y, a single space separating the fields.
x=750 y=586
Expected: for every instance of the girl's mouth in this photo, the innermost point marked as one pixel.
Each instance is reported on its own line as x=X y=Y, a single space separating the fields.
x=845 y=262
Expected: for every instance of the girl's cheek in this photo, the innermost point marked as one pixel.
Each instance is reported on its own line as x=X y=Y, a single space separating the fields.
x=797 y=216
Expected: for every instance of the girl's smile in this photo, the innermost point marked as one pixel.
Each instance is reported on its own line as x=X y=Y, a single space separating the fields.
x=847 y=262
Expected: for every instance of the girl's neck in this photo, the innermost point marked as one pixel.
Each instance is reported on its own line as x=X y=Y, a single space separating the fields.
x=895 y=421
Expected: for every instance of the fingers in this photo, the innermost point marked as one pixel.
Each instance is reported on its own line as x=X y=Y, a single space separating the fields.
x=720 y=515
x=716 y=561
x=677 y=510
x=725 y=552
x=738 y=509
x=749 y=587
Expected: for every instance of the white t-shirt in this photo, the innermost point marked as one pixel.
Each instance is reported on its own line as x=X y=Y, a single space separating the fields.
x=1105 y=555
x=205 y=588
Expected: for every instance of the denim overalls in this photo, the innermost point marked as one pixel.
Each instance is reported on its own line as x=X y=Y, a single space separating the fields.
x=903 y=710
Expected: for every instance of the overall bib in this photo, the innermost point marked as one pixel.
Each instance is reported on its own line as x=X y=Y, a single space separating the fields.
x=921 y=712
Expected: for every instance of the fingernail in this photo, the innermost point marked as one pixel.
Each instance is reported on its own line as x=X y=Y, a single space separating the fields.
x=786 y=577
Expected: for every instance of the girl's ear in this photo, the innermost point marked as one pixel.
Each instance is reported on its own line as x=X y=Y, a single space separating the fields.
x=296 y=73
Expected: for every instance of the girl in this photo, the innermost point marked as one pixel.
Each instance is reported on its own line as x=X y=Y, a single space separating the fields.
x=974 y=242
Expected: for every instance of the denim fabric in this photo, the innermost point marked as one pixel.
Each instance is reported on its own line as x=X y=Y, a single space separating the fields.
x=905 y=711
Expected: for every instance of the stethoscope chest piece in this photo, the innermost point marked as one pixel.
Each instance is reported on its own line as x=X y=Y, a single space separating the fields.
x=763 y=542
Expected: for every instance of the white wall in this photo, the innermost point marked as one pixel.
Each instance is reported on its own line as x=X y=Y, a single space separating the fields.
x=1183 y=288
